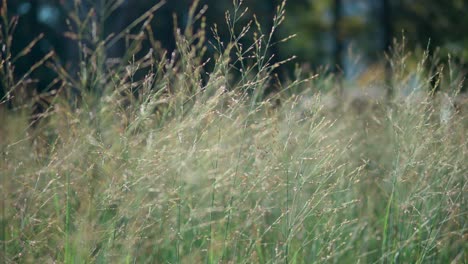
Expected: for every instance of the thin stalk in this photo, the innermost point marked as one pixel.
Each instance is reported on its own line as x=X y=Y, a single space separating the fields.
x=286 y=244
x=4 y=221
x=179 y=205
x=388 y=210
x=236 y=172
x=178 y=230
x=67 y=222
x=287 y=215
x=210 y=257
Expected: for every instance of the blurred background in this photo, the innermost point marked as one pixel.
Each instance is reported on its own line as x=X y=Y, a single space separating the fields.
x=345 y=36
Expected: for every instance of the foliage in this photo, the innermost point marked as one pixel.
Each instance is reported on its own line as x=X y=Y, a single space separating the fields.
x=188 y=166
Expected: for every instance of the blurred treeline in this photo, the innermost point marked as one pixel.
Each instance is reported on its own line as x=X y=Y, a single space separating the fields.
x=347 y=35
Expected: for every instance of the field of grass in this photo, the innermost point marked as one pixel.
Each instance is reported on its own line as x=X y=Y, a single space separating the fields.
x=184 y=166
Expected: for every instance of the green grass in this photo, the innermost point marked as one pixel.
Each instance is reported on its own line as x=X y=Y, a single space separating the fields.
x=193 y=171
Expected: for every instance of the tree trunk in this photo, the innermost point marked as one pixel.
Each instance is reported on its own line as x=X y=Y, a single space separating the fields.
x=387 y=28
x=337 y=34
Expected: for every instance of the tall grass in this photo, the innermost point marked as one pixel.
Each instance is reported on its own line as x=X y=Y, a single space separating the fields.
x=184 y=166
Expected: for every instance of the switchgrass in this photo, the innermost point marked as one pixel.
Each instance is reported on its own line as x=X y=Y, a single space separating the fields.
x=183 y=166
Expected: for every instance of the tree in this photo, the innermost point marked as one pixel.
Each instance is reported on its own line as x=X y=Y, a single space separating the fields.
x=387 y=36
x=337 y=34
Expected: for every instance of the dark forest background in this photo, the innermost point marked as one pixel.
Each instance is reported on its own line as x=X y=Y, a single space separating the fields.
x=350 y=36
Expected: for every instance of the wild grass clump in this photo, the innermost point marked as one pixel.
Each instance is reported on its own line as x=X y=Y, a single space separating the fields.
x=184 y=166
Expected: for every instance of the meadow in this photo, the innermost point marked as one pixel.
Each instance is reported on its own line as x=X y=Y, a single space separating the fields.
x=156 y=160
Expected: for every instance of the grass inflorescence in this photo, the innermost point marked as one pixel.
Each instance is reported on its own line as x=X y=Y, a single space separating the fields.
x=187 y=166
